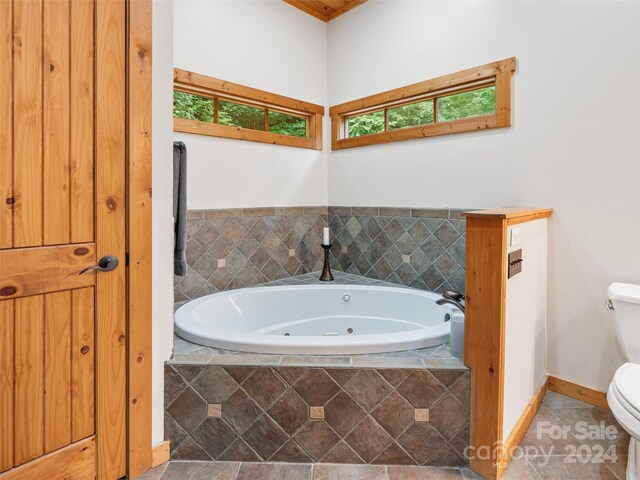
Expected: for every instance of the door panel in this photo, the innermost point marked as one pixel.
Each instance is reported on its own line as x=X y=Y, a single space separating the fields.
x=75 y=462
x=28 y=416
x=7 y=334
x=49 y=182
x=30 y=271
x=6 y=129
x=55 y=142
x=63 y=344
x=81 y=88
x=27 y=124
x=48 y=341
x=57 y=370
x=82 y=363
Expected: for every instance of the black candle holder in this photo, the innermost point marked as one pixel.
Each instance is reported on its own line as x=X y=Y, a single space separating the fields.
x=326 y=270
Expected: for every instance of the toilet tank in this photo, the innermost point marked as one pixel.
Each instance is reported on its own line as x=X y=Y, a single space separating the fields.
x=625 y=299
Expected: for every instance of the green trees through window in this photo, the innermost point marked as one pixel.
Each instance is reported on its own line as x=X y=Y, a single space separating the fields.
x=286 y=124
x=191 y=106
x=238 y=115
x=365 y=124
x=412 y=115
x=467 y=104
x=473 y=103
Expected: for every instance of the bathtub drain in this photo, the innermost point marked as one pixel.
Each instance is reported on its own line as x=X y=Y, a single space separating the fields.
x=286 y=334
x=349 y=330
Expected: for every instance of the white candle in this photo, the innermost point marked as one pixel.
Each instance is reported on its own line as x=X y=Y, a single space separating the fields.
x=325 y=236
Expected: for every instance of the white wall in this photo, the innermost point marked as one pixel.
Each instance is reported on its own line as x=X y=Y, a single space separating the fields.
x=267 y=45
x=162 y=206
x=525 y=322
x=574 y=145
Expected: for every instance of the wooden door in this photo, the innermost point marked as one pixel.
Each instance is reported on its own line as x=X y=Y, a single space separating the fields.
x=63 y=358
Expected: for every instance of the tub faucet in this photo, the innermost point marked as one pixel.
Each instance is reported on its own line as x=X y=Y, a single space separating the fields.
x=453 y=298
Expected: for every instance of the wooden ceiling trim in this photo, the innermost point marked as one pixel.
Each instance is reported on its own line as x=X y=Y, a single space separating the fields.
x=325 y=10
x=350 y=6
x=307 y=9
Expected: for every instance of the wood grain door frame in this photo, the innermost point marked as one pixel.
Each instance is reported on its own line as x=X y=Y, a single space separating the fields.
x=139 y=239
x=123 y=134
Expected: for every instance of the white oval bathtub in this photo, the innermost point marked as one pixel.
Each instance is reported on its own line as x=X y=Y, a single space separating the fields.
x=316 y=319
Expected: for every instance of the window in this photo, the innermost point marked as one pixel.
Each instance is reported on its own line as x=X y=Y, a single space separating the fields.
x=473 y=103
x=411 y=115
x=244 y=116
x=471 y=100
x=193 y=107
x=365 y=124
x=209 y=106
x=287 y=124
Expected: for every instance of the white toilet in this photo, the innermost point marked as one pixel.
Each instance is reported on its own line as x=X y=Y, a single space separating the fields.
x=624 y=392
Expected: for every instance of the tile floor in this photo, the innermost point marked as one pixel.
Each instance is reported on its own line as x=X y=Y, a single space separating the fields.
x=570 y=457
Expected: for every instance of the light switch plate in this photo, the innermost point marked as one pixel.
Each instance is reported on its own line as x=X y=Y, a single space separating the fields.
x=514 y=241
x=515 y=263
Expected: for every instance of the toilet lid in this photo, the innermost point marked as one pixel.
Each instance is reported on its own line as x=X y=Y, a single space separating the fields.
x=627 y=383
x=624 y=292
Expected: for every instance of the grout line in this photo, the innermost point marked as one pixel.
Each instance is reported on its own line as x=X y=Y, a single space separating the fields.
x=535 y=470
x=612 y=472
x=163 y=468
x=238 y=470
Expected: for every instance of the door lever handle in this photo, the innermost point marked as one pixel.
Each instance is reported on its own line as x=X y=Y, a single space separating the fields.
x=105 y=264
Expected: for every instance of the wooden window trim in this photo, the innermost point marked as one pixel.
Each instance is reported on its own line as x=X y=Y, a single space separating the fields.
x=496 y=74
x=191 y=82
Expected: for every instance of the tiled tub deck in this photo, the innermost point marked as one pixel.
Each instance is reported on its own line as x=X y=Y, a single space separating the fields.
x=402 y=408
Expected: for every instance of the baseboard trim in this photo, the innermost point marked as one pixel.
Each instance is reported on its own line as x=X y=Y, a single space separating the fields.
x=597 y=398
x=161 y=453
x=521 y=426
x=569 y=389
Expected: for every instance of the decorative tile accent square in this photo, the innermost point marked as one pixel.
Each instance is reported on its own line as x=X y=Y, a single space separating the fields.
x=386 y=416
x=221 y=263
x=421 y=415
x=316 y=413
x=214 y=410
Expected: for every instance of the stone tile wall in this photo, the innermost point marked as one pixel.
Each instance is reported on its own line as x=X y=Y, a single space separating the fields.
x=420 y=248
x=237 y=248
x=309 y=415
x=227 y=249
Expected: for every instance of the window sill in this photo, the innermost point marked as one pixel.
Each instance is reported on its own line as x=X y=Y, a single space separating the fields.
x=238 y=133
x=445 y=128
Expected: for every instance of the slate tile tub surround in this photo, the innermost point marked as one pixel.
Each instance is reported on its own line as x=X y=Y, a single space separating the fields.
x=387 y=416
x=420 y=248
x=228 y=249
x=236 y=248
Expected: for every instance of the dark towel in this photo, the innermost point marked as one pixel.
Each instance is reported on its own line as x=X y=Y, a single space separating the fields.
x=180 y=208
